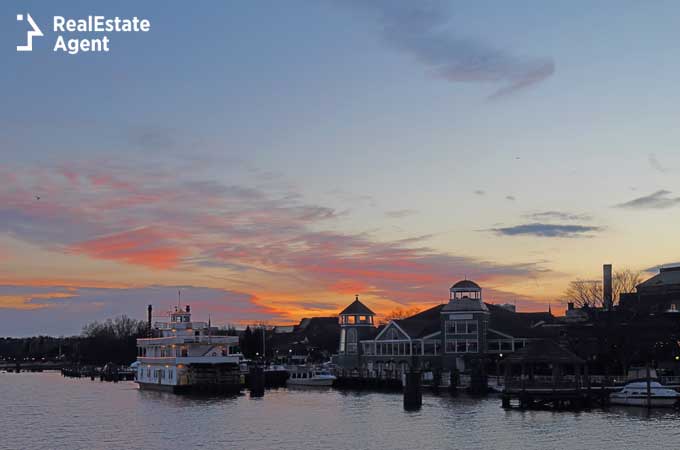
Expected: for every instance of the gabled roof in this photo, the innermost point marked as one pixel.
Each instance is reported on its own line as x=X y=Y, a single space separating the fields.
x=358 y=309
x=422 y=324
x=519 y=325
x=543 y=351
x=666 y=276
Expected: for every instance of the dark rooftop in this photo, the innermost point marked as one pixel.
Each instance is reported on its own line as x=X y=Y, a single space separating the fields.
x=465 y=284
x=465 y=304
x=543 y=351
x=520 y=324
x=358 y=309
x=422 y=324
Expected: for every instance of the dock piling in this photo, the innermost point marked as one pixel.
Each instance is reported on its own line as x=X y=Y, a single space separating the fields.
x=256 y=378
x=413 y=395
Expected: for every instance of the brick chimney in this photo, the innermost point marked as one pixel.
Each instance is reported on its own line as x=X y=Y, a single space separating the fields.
x=607 y=287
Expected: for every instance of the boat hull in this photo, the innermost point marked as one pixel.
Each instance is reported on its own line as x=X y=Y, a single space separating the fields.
x=656 y=402
x=324 y=382
x=192 y=389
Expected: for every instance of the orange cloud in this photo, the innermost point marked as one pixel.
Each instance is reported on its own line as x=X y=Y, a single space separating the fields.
x=23 y=302
x=149 y=247
x=349 y=287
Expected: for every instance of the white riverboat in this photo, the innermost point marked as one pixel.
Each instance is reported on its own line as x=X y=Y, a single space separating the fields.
x=184 y=356
x=309 y=376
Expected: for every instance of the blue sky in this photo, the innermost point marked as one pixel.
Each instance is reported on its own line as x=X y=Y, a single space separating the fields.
x=381 y=113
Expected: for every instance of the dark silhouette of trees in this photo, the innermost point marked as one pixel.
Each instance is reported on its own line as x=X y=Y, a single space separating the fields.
x=114 y=340
x=589 y=292
x=400 y=313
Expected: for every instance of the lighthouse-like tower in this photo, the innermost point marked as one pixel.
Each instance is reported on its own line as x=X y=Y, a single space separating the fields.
x=464 y=324
x=356 y=324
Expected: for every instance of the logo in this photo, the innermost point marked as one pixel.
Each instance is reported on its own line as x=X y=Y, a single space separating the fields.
x=30 y=34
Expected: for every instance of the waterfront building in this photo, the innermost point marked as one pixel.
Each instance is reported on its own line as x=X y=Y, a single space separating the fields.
x=445 y=337
x=658 y=294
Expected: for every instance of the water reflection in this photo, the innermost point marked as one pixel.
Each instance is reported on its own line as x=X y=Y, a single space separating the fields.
x=48 y=411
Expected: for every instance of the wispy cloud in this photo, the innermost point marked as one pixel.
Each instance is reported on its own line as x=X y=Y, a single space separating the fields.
x=64 y=309
x=548 y=230
x=399 y=213
x=151 y=247
x=417 y=28
x=656 y=164
x=557 y=215
x=263 y=243
x=658 y=200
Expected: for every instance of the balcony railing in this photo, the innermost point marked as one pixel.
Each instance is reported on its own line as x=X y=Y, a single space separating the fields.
x=168 y=340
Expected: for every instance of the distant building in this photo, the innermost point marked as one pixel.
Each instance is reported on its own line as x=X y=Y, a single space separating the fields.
x=446 y=337
x=313 y=339
x=659 y=294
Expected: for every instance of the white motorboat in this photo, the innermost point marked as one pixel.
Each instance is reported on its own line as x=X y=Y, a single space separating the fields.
x=309 y=376
x=635 y=393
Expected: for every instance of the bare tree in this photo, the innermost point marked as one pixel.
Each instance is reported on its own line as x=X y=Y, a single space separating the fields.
x=590 y=293
x=584 y=293
x=400 y=313
x=625 y=281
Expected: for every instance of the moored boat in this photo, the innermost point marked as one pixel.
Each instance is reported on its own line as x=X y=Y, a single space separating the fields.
x=185 y=356
x=309 y=376
x=635 y=393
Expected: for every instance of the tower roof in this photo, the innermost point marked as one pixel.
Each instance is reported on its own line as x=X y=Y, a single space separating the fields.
x=466 y=285
x=465 y=305
x=357 y=308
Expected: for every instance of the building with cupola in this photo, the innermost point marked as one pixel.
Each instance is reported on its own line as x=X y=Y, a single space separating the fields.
x=452 y=335
x=464 y=324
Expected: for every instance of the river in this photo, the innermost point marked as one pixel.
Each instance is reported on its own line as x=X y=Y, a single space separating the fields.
x=46 y=411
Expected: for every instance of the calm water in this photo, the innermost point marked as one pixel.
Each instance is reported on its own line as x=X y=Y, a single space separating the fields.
x=46 y=411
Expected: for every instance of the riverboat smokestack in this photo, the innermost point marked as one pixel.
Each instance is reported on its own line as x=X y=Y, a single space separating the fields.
x=607 y=287
x=149 y=310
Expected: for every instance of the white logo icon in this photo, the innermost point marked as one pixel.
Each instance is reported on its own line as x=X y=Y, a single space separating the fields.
x=30 y=34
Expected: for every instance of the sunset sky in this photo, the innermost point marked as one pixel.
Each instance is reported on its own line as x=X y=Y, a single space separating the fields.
x=272 y=159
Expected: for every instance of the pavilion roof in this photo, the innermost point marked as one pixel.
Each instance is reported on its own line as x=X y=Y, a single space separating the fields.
x=543 y=351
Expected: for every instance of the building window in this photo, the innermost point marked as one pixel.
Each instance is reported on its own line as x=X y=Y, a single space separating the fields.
x=462 y=346
x=342 y=340
x=392 y=334
x=352 y=341
x=461 y=336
